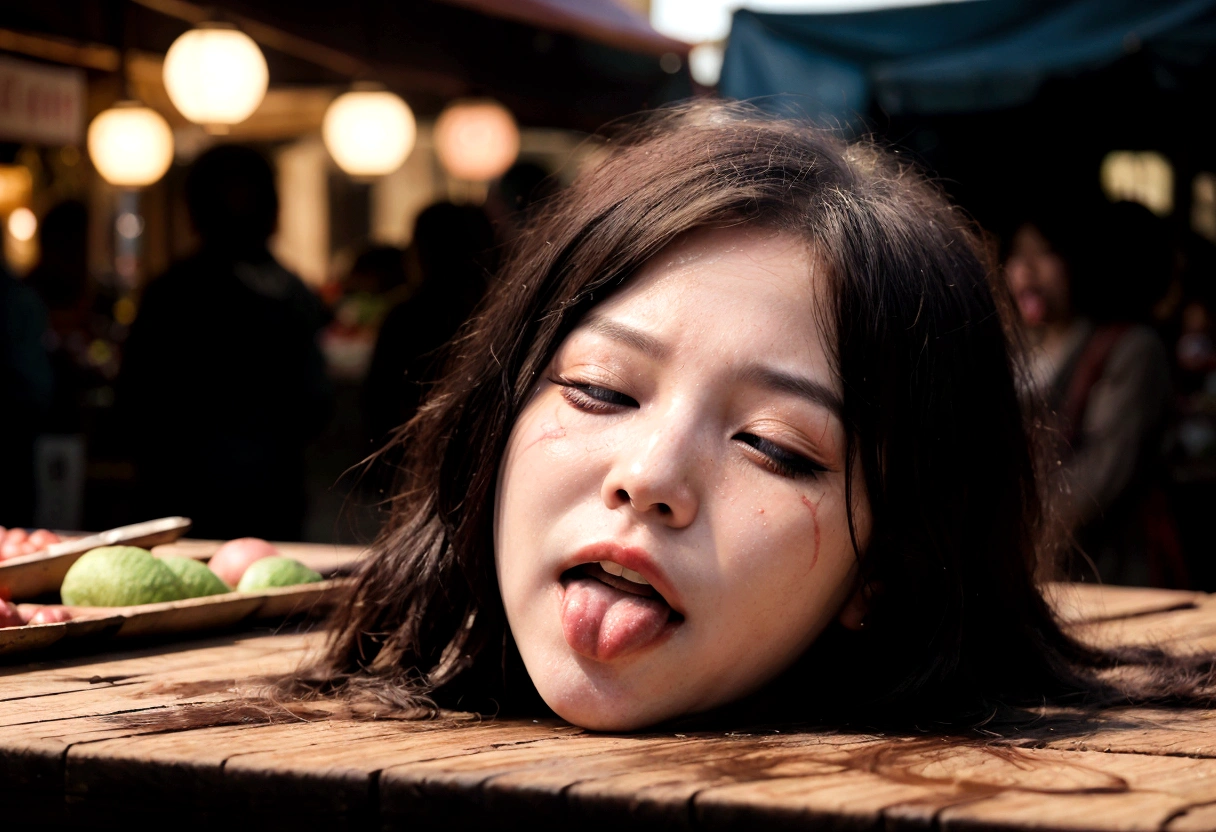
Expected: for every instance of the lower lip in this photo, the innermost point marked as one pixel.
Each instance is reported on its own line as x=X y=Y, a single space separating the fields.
x=606 y=624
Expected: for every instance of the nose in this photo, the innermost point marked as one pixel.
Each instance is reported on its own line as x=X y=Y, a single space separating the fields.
x=652 y=475
x=1018 y=272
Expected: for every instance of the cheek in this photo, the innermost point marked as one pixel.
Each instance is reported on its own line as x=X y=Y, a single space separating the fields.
x=1017 y=275
x=547 y=468
x=1053 y=274
x=538 y=455
x=817 y=532
x=791 y=558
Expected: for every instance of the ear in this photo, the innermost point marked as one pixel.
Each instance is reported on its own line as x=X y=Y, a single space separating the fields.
x=853 y=613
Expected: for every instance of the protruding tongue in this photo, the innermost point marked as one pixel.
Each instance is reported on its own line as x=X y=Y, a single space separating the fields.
x=1032 y=306
x=605 y=623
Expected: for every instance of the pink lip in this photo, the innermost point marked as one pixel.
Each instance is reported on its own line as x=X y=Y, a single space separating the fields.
x=630 y=557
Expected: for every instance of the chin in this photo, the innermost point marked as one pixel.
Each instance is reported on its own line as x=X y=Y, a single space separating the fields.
x=598 y=704
x=595 y=717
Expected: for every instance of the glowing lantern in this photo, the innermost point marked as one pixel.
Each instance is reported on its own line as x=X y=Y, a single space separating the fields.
x=476 y=140
x=22 y=224
x=215 y=75
x=369 y=132
x=130 y=145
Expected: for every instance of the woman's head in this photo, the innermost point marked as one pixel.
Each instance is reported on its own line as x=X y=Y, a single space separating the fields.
x=670 y=527
x=232 y=199
x=765 y=369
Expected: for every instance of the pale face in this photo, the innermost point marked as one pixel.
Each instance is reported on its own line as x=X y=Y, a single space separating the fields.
x=1038 y=279
x=670 y=527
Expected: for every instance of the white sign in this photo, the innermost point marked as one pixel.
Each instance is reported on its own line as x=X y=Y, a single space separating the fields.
x=42 y=104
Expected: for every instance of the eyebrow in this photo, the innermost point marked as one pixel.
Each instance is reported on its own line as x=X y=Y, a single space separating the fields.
x=617 y=331
x=800 y=386
x=768 y=377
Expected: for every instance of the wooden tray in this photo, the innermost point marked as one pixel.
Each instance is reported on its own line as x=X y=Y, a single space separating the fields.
x=29 y=576
x=95 y=627
x=194 y=615
x=330 y=559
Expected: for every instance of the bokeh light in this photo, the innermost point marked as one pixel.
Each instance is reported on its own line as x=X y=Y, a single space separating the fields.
x=22 y=224
x=476 y=140
x=131 y=145
x=369 y=132
x=215 y=75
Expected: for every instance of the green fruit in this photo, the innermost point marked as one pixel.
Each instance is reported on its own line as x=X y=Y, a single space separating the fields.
x=119 y=576
x=271 y=572
x=195 y=576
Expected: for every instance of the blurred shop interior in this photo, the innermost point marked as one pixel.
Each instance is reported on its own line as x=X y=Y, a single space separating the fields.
x=481 y=104
x=482 y=107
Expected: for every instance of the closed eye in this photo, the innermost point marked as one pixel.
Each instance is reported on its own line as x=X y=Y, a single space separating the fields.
x=778 y=459
x=592 y=398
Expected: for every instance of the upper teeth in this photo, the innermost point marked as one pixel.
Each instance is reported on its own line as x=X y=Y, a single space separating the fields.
x=621 y=572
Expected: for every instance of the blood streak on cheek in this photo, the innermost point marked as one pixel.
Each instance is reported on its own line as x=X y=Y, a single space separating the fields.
x=543 y=433
x=813 y=508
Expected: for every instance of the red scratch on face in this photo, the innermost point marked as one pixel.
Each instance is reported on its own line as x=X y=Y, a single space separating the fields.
x=548 y=433
x=814 y=509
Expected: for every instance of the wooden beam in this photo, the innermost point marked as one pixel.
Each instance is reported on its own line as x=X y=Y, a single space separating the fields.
x=61 y=50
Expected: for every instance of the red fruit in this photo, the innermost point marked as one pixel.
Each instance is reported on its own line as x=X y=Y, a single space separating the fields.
x=232 y=559
x=43 y=538
x=9 y=616
x=50 y=615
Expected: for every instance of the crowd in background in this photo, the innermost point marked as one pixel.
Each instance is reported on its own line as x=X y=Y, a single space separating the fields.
x=226 y=398
x=207 y=402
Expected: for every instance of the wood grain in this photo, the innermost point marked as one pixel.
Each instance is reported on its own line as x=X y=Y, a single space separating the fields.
x=102 y=740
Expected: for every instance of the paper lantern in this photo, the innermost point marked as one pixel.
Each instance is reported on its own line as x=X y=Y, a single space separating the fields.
x=215 y=75
x=22 y=224
x=476 y=140
x=131 y=145
x=369 y=132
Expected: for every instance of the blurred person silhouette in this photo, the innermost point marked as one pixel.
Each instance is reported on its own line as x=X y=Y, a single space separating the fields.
x=513 y=195
x=1193 y=454
x=1085 y=283
x=378 y=270
x=1191 y=326
x=223 y=382
x=453 y=251
x=26 y=385
x=61 y=275
x=82 y=347
x=377 y=281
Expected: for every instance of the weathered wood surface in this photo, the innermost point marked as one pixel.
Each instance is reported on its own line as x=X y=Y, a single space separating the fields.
x=86 y=741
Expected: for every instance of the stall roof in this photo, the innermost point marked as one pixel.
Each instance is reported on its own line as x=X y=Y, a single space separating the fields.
x=951 y=57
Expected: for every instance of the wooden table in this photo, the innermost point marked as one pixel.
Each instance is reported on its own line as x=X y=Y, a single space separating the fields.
x=74 y=749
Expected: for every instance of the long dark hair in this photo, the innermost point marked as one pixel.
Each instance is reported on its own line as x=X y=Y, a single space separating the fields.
x=923 y=350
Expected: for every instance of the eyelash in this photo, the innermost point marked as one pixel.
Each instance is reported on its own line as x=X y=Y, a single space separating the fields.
x=778 y=459
x=593 y=399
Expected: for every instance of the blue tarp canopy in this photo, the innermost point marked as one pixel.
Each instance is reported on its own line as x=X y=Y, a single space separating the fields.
x=982 y=55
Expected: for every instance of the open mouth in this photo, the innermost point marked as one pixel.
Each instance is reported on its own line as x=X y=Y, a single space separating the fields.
x=609 y=612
